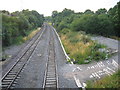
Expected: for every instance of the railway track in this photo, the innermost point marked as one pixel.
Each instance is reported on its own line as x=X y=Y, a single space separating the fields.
x=50 y=78
x=10 y=78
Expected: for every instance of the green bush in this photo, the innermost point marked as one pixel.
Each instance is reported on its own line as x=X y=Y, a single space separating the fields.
x=102 y=22
x=65 y=31
x=17 y=24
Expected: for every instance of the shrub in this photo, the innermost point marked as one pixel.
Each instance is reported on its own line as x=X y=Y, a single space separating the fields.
x=81 y=48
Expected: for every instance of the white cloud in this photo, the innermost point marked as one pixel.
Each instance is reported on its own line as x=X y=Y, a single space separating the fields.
x=47 y=6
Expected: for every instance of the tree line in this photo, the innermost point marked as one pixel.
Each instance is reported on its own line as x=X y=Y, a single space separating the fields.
x=101 y=22
x=17 y=24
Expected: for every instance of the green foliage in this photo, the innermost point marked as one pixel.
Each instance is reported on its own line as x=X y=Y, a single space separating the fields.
x=70 y=25
x=114 y=14
x=95 y=24
x=48 y=19
x=102 y=22
x=67 y=12
x=81 y=48
x=62 y=25
x=18 y=24
x=65 y=30
x=101 y=11
x=88 y=11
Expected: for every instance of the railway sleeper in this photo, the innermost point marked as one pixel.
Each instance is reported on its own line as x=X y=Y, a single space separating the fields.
x=5 y=83
x=50 y=86
x=51 y=80
x=4 y=86
x=51 y=65
x=17 y=68
x=12 y=76
x=50 y=83
x=51 y=62
x=51 y=73
x=12 y=73
x=13 y=85
x=14 y=82
x=51 y=68
x=17 y=77
x=7 y=80
x=50 y=77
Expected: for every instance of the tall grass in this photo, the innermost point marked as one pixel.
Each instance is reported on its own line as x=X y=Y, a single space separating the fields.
x=80 y=47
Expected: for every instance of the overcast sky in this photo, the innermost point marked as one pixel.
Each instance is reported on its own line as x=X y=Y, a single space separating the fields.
x=47 y=6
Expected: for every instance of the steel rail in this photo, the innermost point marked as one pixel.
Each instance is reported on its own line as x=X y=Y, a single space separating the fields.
x=11 y=80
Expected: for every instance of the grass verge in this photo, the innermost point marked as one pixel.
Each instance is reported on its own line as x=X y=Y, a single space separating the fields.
x=81 y=48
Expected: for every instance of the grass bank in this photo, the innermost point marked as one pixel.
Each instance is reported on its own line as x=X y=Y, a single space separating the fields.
x=81 y=48
x=112 y=81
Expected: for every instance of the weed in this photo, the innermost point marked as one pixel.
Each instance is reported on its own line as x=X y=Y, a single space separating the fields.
x=81 y=47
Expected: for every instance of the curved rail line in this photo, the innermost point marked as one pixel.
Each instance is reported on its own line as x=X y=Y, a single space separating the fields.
x=10 y=78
